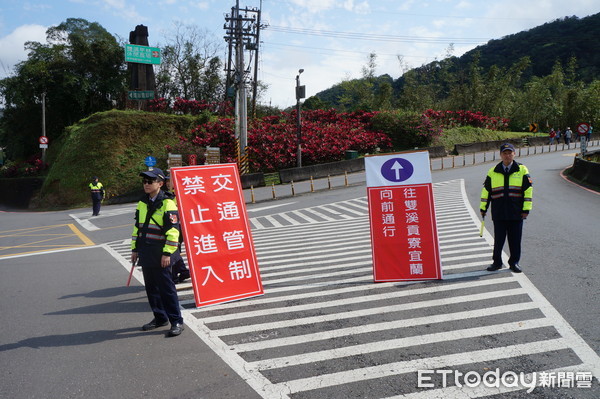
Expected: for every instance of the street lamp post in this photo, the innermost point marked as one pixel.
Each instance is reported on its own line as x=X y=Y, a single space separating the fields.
x=43 y=124
x=300 y=93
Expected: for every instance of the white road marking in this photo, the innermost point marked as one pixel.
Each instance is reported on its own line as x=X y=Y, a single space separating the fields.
x=84 y=219
x=439 y=362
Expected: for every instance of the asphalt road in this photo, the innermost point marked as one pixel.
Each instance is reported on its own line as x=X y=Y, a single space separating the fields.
x=72 y=327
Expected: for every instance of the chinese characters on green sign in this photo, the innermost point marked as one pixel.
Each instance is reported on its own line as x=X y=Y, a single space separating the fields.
x=141 y=95
x=142 y=54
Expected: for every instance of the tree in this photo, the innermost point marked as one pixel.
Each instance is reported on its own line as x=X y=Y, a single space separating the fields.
x=81 y=69
x=314 y=102
x=190 y=68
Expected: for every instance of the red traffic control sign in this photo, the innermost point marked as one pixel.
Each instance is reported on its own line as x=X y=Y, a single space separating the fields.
x=43 y=140
x=583 y=128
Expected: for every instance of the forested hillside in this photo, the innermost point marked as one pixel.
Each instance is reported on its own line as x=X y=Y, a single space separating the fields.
x=567 y=48
x=554 y=41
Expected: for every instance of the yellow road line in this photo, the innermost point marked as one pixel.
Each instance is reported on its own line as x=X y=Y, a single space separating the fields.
x=28 y=232
x=38 y=228
x=27 y=244
x=42 y=252
x=46 y=246
x=116 y=227
x=81 y=236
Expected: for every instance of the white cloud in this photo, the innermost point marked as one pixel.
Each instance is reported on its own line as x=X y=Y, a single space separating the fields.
x=516 y=15
x=122 y=9
x=317 y=6
x=118 y=4
x=12 y=46
x=405 y=6
x=463 y=5
x=35 y=7
x=362 y=8
x=202 y=5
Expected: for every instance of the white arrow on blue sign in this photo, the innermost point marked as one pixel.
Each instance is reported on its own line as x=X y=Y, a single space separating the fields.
x=397 y=169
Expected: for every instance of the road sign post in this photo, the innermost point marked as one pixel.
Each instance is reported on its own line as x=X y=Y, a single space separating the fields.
x=582 y=130
x=43 y=140
x=402 y=218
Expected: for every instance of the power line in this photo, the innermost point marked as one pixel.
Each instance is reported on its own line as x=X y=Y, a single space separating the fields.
x=349 y=52
x=387 y=11
x=376 y=37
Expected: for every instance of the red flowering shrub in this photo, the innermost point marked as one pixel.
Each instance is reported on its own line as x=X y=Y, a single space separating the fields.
x=158 y=105
x=272 y=145
x=191 y=107
x=220 y=133
x=450 y=119
x=31 y=167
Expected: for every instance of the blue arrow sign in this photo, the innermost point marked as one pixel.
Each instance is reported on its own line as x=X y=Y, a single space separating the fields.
x=397 y=169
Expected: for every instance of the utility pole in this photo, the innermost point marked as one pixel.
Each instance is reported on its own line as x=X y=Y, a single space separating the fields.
x=300 y=93
x=255 y=80
x=242 y=33
x=43 y=124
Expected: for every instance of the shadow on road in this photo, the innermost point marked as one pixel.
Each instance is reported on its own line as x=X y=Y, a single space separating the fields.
x=77 y=339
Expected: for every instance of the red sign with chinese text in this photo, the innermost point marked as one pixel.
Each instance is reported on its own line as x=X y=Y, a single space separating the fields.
x=404 y=233
x=217 y=234
x=402 y=216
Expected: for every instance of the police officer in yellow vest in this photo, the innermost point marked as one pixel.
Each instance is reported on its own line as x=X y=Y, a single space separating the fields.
x=508 y=188
x=154 y=242
x=97 y=191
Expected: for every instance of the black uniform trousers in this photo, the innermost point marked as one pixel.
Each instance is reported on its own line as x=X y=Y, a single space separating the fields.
x=162 y=294
x=514 y=230
x=96 y=206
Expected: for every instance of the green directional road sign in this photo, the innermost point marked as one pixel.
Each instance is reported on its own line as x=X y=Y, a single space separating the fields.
x=142 y=54
x=141 y=95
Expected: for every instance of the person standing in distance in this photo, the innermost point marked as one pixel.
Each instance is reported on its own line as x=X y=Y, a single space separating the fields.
x=568 y=135
x=97 y=191
x=509 y=190
x=154 y=241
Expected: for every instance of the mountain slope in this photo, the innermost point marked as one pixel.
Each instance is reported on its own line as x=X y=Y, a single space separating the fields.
x=544 y=45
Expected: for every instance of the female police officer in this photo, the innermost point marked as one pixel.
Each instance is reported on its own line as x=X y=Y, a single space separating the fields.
x=154 y=241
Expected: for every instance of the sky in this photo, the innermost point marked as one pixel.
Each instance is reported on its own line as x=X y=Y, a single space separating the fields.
x=330 y=39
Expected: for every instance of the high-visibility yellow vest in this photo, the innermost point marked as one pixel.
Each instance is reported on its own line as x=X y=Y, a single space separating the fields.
x=511 y=194
x=97 y=190
x=162 y=228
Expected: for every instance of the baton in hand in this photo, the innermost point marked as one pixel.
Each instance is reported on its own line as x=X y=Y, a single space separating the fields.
x=481 y=228
x=131 y=273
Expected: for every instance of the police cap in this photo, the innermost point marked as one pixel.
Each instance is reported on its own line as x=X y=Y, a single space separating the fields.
x=155 y=173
